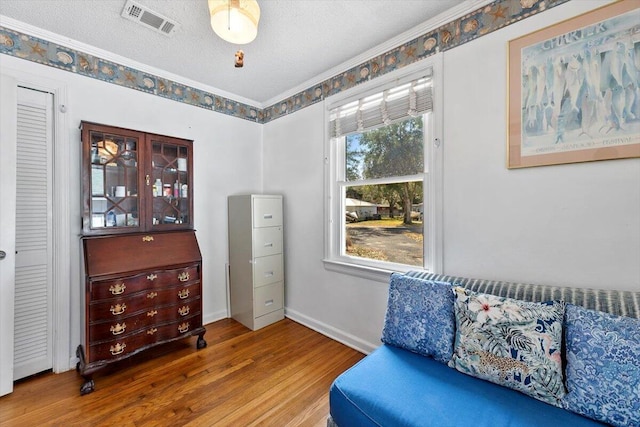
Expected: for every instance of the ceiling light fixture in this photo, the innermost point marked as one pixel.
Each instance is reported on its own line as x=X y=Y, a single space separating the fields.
x=235 y=21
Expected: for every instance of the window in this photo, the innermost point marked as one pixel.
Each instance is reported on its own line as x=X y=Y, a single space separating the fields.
x=383 y=166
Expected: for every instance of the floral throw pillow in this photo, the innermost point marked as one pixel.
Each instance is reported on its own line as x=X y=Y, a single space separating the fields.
x=420 y=317
x=513 y=343
x=603 y=366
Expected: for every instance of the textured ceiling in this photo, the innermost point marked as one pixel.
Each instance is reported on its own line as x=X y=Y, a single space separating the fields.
x=297 y=41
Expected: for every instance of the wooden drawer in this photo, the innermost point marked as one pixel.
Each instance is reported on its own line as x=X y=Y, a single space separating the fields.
x=120 y=308
x=267 y=241
x=126 y=286
x=268 y=269
x=267 y=212
x=176 y=276
x=123 y=346
x=123 y=327
x=268 y=298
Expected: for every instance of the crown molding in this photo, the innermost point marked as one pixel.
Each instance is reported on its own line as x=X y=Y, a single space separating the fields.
x=449 y=15
x=31 y=30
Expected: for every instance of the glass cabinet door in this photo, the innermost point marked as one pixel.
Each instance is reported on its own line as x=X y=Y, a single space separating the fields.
x=170 y=177
x=135 y=181
x=114 y=203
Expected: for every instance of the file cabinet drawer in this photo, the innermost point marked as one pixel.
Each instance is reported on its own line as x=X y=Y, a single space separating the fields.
x=267 y=241
x=268 y=299
x=267 y=212
x=267 y=270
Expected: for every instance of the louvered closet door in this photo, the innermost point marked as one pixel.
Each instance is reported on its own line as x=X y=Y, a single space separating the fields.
x=33 y=333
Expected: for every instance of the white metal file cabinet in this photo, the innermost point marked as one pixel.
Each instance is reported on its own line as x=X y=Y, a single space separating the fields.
x=256 y=269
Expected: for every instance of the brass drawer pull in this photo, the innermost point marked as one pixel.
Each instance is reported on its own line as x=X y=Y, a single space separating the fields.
x=152 y=295
x=147 y=239
x=152 y=313
x=117 y=349
x=118 y=328
x=184 y=276
x=152 y=277
x=184 y=327
x=183 y=311
x=183 y=294
x=152 y=331
x=117 y=289
x=118 y=309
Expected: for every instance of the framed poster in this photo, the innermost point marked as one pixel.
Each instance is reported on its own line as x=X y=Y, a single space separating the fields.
x=574 y=89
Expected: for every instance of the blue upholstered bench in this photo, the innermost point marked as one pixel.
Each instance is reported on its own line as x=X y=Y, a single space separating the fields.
x=396 y=387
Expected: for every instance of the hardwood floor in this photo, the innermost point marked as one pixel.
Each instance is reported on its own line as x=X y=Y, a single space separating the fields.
x=277 y=376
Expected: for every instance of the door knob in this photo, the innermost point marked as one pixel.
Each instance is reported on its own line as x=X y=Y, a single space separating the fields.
x=3 y=255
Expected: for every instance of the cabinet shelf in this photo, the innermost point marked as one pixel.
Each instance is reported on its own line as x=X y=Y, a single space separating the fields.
x=122 y=171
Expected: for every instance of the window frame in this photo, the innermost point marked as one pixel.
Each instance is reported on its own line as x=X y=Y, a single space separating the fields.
x=432 y=180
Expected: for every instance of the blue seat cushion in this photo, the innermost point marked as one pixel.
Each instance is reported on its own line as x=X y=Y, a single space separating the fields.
x=395 y=387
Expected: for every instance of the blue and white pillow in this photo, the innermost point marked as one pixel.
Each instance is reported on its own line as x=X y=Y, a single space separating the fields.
x=509 y=342
x=420 y=317
x=603 y=366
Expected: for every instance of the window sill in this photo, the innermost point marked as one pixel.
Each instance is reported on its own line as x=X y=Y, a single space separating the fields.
x=378 y=274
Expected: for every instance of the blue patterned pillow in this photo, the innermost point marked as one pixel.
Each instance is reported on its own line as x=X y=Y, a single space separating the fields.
x=420 y=317
x=603 y=366
x=513 y=343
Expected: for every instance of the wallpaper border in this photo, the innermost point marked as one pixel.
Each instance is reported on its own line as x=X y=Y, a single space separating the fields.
x=477 y=23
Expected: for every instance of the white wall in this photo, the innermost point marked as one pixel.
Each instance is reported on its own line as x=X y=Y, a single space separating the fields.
x=228 y=159
x=576 y=225
x=345 y=307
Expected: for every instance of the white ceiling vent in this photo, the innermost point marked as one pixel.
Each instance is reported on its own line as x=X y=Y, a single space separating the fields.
x=136 y=12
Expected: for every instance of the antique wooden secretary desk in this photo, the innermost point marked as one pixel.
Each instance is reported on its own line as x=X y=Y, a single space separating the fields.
x=143 y=267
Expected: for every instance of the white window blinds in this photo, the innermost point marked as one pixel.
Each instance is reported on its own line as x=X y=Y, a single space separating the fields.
x=383 y=108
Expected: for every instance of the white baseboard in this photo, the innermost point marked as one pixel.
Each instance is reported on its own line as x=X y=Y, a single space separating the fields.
x=321 y=327
x=331 y=332
x=214 y=317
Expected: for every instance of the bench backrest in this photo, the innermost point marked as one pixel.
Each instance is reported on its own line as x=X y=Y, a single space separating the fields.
x=620 y=303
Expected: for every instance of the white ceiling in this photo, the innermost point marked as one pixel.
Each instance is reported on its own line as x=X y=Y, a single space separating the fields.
x=298 y=40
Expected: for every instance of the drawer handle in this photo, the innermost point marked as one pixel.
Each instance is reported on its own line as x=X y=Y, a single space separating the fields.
x=118 y=328
x=152 y=295
x=118 y=309
x=152 y=277
x=268 y=245
x=147 y=239
x=267 y=216
x=117 y=349
x=269 y=302
x=183 y=294
x=183 y=311
x=152 y=313
x=117 y=289
x=268 y=273
x=184 y=327
x=184 y=276
x=152 y=331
